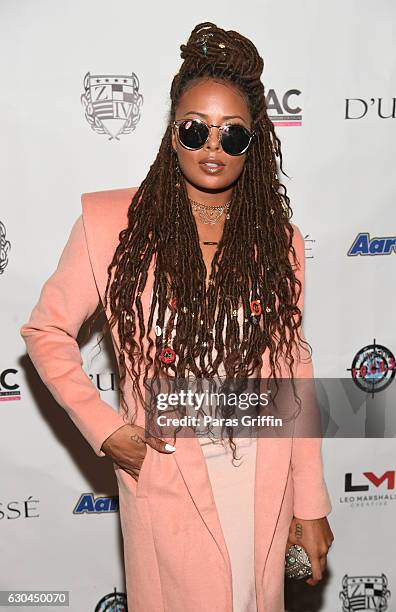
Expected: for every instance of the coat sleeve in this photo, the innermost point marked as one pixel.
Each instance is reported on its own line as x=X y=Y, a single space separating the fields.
x=311 y=497
x=67 y=299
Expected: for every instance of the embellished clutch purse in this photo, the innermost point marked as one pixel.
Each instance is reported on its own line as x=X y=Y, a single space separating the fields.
x=297 y=563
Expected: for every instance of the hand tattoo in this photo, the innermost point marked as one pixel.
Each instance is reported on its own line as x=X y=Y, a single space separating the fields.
x=298 y=532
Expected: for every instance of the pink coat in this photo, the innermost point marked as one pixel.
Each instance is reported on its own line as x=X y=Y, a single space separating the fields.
x=175 y=555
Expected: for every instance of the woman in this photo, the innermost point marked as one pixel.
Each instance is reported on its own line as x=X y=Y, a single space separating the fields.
x=199 y=272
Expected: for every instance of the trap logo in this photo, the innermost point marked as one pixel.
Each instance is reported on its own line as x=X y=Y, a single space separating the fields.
x=365 y=593
x=283 y=111
x=363 y=245
x=5 y=246
x=112 y=103
x=112 y=602
x=373 y=368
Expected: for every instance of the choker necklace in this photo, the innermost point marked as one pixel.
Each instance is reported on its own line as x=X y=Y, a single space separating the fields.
x=208 y=213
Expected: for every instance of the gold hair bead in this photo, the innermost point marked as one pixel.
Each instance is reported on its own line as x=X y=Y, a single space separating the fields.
x=268 y=309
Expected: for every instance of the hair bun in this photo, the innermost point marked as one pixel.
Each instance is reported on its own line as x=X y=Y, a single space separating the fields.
x=208 y=44
x=206 y=41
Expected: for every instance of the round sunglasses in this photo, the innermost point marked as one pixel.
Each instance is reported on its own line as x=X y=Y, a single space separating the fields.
x=193 y=133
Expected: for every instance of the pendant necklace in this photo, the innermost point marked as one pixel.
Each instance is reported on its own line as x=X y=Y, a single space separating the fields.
x=210 y=214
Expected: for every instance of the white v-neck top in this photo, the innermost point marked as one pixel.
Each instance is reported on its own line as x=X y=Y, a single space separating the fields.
x=233 y=491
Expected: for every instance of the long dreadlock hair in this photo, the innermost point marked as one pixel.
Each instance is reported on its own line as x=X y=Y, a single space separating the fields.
x=252 y=257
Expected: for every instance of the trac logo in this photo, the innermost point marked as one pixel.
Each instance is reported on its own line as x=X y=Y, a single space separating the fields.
x=283 y=111
x=9 y=391
x=364 y=245
x=88 y=504
x=373 y=368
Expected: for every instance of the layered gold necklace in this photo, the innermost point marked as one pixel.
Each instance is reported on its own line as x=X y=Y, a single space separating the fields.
x=208 y=213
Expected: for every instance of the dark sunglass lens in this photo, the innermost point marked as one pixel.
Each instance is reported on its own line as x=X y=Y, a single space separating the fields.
x=193 y=134
x=235 y=139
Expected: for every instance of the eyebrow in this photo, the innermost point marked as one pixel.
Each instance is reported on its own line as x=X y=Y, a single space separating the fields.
x=224 y=117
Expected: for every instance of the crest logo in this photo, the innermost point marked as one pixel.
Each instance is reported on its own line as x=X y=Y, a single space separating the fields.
x=112 y=103
x=365 y=593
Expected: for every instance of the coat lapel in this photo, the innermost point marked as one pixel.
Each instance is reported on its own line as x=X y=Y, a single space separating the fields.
x=272 y=466
x=192 y=465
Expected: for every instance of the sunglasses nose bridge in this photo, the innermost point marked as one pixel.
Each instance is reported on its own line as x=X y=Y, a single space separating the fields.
x=217 y=138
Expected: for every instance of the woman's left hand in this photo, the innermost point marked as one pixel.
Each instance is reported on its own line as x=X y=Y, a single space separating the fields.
x=316 y=537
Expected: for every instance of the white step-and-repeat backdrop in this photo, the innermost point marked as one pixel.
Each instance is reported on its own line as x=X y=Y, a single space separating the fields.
x=330 y=80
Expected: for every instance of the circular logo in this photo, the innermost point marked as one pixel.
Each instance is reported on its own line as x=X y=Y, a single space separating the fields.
x=112 y=602
x=373 y=368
